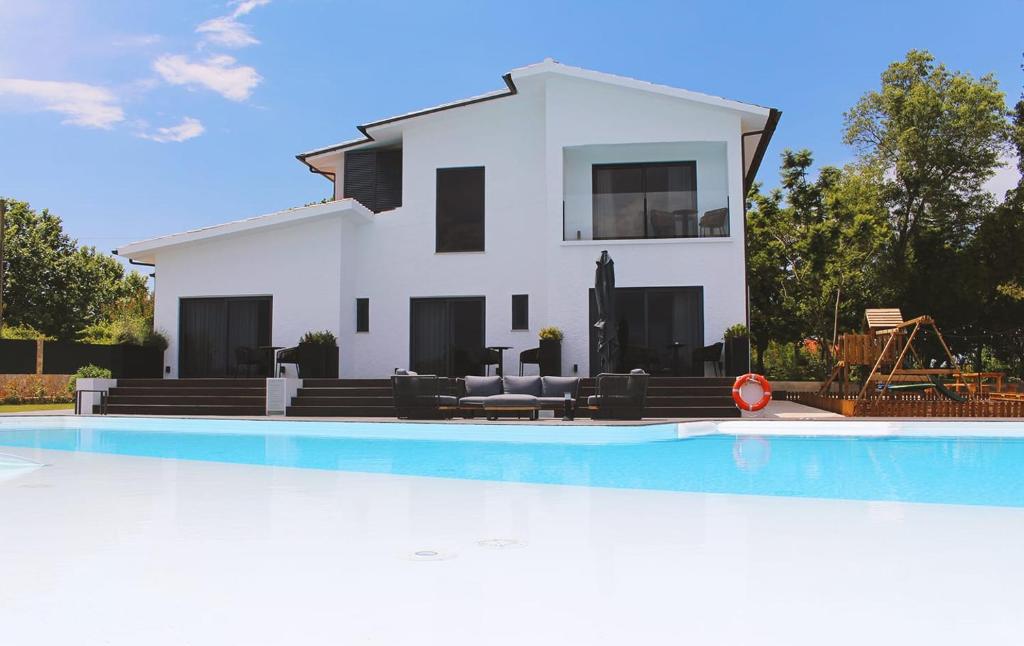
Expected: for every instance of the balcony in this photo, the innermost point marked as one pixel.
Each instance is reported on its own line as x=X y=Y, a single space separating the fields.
x=645 y=191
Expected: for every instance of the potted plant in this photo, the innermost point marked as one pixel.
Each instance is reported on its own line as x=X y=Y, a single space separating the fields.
x=549 y=355
x=737 y=350
x=318 y=355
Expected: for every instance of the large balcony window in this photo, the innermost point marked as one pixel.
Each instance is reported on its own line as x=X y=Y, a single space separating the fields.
x=652 y=200
x=645 y=191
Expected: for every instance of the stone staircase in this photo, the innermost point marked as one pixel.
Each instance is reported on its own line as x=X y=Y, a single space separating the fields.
x=671 y=397
x=187 y=397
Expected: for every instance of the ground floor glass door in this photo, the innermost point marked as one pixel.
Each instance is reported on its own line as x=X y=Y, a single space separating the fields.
x=447 y=336
x=659 y=328
x=224 y=337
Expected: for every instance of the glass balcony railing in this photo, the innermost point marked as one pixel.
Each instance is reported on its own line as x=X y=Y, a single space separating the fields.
x=643 y=216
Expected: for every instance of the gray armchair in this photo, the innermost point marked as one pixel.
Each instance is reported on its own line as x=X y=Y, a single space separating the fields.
x=619 y=396
x=422 y=396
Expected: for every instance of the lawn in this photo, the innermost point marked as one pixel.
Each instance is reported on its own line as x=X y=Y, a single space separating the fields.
x=21 y=408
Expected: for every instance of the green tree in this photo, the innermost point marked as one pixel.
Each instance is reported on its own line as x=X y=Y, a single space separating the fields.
x=812 y=249
x=52 y=284
x=934 y=137
x=998 y=252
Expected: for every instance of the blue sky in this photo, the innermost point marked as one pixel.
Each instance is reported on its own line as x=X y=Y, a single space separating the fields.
x=132 y=119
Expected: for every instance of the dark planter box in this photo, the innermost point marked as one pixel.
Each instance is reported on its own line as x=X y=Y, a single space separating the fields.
x=550 y=358
x=318 y=361
x=737 y=356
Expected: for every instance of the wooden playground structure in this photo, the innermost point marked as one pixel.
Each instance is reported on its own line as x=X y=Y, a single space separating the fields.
x=902 y=381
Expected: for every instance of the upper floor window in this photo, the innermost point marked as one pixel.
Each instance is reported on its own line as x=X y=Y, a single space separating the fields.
x=646 y=200
x=460 y=209
x=374 y=177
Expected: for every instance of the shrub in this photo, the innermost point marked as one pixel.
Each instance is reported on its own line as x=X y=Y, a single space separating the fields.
x=156 y=339
x=551 y=333
x=736 y=331
x=21 y=332
x=41 y=389
x=321 y=337
x=793 y=362
x=87 y=372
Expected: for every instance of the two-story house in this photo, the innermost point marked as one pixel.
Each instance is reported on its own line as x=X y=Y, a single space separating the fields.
x=478 y=222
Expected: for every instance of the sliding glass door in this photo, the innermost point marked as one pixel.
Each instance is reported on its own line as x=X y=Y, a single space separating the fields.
x=658 y=327
x=649 y=200
x=446 y=336
x=215 y=335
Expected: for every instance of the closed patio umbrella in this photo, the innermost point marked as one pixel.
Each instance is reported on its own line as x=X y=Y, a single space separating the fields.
x=607 y=328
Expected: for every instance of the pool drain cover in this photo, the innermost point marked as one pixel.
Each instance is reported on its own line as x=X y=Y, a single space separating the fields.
x=430 y=555
x=501 y=543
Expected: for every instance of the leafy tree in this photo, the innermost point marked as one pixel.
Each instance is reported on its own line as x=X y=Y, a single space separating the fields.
x=998 y=251
x=52 y=285
x=812 y=248
x=935 y=137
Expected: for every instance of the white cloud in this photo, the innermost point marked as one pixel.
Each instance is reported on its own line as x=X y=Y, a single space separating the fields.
x=226 y=31
x=218 y=73
x=85 y=105
x=138 y=40
x=189 y=128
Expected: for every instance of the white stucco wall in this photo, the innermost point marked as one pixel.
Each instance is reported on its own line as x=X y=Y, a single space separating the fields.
x=299 y=266
x=315 y=271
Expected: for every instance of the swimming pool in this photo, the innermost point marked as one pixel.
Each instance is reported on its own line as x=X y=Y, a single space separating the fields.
x=909 y=462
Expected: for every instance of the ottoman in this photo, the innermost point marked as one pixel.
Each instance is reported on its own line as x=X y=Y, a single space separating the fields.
x=518 y=404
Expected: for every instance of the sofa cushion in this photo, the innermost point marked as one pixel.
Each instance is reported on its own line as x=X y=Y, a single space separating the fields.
x=472 y=401
x=522 y=386
x=447 y=400
x=511 y=401
x=558 y=386
x=483 y=386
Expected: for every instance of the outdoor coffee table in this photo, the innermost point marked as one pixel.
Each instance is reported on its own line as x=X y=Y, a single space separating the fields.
x=511 y=404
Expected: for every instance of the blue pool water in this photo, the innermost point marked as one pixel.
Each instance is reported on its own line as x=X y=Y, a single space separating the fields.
x=975 y=471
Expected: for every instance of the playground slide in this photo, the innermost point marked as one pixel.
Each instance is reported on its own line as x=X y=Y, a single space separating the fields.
x=946 y=392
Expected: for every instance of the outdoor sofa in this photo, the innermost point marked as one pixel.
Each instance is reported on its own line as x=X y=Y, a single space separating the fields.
x=494 y=395
x=432 y=397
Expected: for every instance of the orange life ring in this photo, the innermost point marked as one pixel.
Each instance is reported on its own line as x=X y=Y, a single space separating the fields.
x=766 y=395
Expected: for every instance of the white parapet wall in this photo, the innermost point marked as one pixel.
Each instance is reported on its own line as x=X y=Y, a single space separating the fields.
x=93 y=390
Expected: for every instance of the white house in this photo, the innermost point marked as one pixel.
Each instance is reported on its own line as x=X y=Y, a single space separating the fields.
x=478 y=222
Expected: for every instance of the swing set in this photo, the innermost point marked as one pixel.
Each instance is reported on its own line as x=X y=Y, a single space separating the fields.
x=888 y=347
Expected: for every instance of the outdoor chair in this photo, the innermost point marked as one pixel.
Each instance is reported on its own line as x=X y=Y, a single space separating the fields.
x=528 y=356
x=490 y=357
x=709 y=354
x=714 y=222
x=248 y=362
x=421 y=396
x=619 y=396
x=663 y=224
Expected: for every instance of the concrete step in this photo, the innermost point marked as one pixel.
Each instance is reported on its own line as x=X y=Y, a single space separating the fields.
x=189 y=400
x=232 y=391
x=192 y=383
x=341 y=411
x=164 y=409
x=365 y=391
x=355 y=400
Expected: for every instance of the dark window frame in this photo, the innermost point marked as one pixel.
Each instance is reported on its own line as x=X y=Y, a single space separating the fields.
x=521 y=319
x=642 y=166
x=442 y=244
x=362 y=315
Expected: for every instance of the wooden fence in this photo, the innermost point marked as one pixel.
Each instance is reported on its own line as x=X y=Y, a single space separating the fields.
x=910 y=406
